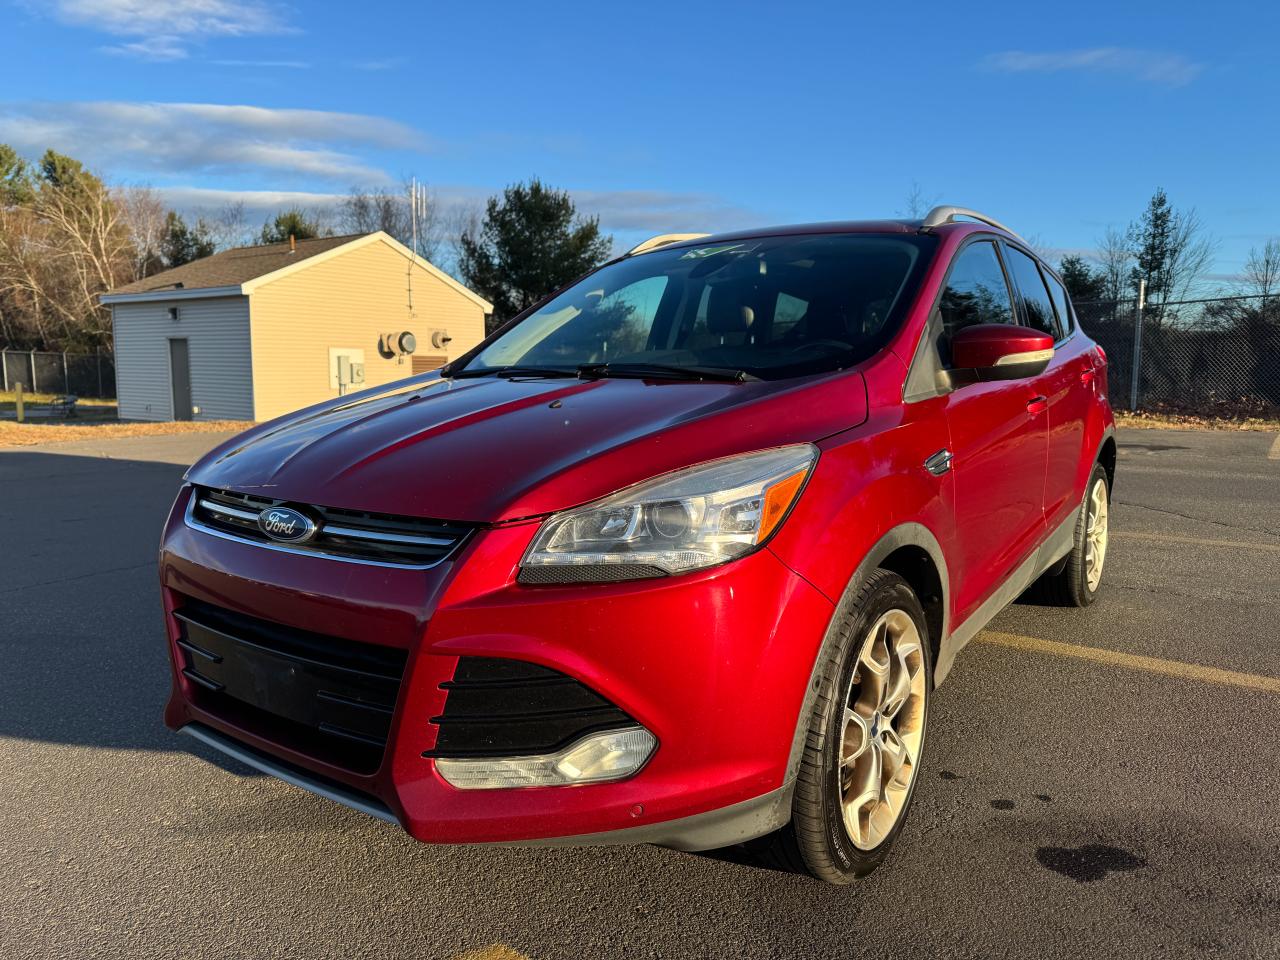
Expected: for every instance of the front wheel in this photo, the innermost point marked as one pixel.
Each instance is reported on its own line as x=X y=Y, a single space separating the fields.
x=866 y=736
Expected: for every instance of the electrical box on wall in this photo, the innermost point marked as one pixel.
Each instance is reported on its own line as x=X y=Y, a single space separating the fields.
x=346 y=368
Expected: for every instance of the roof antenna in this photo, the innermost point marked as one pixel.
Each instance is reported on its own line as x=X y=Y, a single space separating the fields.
x=293 y=243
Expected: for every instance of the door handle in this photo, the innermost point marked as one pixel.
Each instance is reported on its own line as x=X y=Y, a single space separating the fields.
x=1086 y=377
x=1037 y=405
x=939 y=463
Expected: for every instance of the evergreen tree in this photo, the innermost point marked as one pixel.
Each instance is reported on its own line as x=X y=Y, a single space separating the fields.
x=290 y=223
x=1083 y=283
x=531 y=242
x=181 y=244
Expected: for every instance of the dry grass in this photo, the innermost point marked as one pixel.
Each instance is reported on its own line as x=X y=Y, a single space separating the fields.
x=60 y=431
x=1191 y=421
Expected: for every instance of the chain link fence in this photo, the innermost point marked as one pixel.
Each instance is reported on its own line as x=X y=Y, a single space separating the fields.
x=1217 y=356
x=39 y=371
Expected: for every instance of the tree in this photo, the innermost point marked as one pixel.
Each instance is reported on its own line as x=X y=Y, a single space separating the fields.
x=1083 y=283
x=530 y=242
x=368 y=211
x=290 y=223
x=1170 y=251
x=62 y=247
x=15 y=177
x=181 y=244
x=1262 y=270
x=1115 y=263
x=918 y=204
x=143 y=213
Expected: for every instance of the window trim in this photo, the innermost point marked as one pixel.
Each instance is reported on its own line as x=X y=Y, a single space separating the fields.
x=1071 y=326
x=926 y=363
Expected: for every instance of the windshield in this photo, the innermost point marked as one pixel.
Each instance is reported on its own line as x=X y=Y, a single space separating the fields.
x=769 y=307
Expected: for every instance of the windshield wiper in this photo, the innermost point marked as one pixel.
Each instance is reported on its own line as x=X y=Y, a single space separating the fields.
x=515 y=370
x=663 y=371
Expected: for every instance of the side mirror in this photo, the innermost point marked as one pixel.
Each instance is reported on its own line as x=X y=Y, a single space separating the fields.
x=1001 y=351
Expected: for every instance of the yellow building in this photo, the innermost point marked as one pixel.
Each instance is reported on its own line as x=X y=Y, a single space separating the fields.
x=251 y=333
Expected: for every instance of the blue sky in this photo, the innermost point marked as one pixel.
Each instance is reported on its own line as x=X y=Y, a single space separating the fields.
x=1059 y=119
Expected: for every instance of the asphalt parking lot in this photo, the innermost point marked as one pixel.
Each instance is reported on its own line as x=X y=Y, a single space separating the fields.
x=1097 y=783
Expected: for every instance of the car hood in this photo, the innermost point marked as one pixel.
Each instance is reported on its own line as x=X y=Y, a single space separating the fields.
x=491 y=450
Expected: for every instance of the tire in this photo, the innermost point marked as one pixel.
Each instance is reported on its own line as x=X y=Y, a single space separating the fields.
x=1075 y=581
x=883 y=627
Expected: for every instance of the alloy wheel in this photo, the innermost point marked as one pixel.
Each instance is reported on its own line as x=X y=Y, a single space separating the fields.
x=1095 y=551
x=883 y=729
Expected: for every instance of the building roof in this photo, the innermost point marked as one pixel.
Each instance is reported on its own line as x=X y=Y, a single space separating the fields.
x=240 y=271
x=233 y=267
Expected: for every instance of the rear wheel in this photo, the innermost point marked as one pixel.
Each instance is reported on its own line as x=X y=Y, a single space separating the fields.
x=866 y=737
x=1076 y=582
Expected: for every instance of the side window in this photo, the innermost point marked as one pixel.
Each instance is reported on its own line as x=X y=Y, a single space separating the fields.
x=1059 y=303
x=1036 y=305
x=976 y=291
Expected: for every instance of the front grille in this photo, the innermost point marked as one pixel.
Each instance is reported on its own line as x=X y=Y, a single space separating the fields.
x=323 y=696
x=344 y=534
x=499 y=707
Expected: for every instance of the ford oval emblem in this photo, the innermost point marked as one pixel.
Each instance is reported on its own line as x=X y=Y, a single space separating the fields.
x=285 y=525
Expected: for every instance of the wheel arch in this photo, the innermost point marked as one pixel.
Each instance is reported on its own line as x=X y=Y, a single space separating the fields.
x=911 y=551
x=1107 y=457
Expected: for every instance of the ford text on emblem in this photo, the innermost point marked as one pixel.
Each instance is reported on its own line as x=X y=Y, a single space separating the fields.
x=289 y=526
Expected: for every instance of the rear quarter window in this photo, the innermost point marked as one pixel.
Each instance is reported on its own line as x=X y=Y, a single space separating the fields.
x=1060 y=303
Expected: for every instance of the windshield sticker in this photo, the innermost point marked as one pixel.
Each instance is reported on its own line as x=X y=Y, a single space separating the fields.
x=701 y=253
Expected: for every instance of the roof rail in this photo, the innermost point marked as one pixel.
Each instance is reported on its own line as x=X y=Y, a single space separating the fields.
x=947 y=214
x=662 y=239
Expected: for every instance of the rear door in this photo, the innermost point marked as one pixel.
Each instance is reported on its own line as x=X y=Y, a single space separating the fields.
x=1063 y=384
x=998 y=440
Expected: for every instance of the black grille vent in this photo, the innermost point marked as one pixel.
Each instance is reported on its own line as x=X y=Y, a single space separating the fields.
x=499 y=707
x=323 y=696
x=346 y=534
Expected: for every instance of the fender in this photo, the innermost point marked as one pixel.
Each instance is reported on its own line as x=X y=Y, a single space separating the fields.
x=904 y=535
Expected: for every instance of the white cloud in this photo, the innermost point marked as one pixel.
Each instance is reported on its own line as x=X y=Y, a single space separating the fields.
x=653 y=211
x=1151 y=66
x=129 y=18
x=160 y=49
x=163 y=30
x=184 y=138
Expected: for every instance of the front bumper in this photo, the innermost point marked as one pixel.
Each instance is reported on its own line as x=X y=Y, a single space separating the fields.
x=714 y=664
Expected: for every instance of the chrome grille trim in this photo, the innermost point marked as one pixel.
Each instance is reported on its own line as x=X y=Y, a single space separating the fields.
x=213 y=507
x=355 y=534
x=340 y=540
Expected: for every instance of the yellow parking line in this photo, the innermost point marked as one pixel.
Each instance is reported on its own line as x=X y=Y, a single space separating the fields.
x=1274 y=452
x=496 y=952
x=1131 y=661
x=1197 y=541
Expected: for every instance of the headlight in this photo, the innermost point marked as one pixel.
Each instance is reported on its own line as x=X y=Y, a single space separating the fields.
x=686 y=520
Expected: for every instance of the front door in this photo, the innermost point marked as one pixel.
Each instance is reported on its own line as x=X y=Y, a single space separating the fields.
x=180 y=379
x=999 y=443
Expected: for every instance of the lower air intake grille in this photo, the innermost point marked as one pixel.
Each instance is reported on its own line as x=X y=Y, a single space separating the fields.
x=344 y=534
x=499 y=707
x=322 y=696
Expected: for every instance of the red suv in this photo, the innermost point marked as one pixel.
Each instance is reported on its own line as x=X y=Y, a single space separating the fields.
x=675 y=557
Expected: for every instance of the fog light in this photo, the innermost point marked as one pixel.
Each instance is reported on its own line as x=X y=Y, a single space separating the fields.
x=609 y=755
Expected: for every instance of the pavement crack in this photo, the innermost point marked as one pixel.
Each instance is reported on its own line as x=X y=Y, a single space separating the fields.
x=1163 y=591
x=80 y=576
x=1187 y=516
